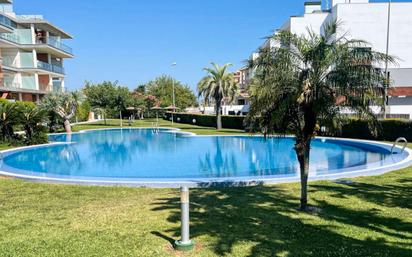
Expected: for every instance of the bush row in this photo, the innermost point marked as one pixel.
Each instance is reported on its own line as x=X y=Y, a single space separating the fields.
x=229 y=122
x=23 y=116
x=387 y=130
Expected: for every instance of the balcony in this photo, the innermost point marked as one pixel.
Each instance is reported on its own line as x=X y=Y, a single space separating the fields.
x=26 y=62
x=6 y=22
x=26 y=83
x=57 y=86
x=50 y=67
x=10 y=84
x=9 y=61
x=24 y=37
x=10 y=37
x=58 y=44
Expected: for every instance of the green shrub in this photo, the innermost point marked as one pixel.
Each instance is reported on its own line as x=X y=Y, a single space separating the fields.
x=16 y=116
x=83 y=111
x=229 y=122
x=392 y=129
x=387 y=130
x=357 y=129
x=38 y=137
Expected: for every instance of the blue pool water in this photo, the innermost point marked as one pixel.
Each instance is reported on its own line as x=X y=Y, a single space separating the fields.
x=132 y=154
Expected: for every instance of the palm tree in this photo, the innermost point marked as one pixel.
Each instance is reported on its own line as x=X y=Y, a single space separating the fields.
x=31 y=118
x=218 y=86
x=63 y=104
x=305 y=82
x=9 y=117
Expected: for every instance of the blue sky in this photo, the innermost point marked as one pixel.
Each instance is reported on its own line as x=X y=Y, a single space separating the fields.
x=133 y=41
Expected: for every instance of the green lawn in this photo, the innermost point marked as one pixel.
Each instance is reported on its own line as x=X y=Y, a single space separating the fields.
x=372 y=217
x=162 y=123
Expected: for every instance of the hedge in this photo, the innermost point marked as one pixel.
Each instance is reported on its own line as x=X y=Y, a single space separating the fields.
x=228 y=121
x=388 y=130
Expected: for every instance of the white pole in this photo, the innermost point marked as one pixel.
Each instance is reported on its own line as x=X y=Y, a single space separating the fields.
x=185 y=244
x=387 y=84
x=173 y=88
x=121 y=119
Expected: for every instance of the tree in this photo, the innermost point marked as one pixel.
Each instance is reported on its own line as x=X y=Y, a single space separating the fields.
x=306 y=82
x=32 y=117
x=140 y=89
x=9 y=117
x=121 y=100
x=218 y=86
x=162 y=89
x=100 y=96
x=64 y=105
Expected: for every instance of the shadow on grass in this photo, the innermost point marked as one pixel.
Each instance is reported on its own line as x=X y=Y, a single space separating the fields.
x=163 y=236
x=397 y=193
x=266 y=219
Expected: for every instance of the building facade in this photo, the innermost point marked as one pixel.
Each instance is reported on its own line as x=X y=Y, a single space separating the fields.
x=387 y=27
x=32 y=55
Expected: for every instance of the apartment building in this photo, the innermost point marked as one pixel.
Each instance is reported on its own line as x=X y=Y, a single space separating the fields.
x=386 y=26
x=241 y=77
x=32 y=55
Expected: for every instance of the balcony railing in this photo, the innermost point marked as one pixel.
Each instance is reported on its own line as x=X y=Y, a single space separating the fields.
x=6 y=22
x=59 y=45
x=10 y=37
x=23 y=37
x=58 y=69
x=10 y=84
x=57 y=86
x=9 y=61
x=50 y=67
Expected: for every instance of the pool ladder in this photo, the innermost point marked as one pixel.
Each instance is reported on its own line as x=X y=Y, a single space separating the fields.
x=400 y=139
x=155 y=127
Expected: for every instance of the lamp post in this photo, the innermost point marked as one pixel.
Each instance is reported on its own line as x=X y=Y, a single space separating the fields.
x=387 y=84
x=173 y=97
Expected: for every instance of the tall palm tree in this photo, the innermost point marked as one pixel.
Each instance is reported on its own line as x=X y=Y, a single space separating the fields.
x=305 y=83
x=218 y=86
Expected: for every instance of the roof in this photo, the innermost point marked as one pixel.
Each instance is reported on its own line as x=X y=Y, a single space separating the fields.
x=400 y=91
x=313 y=3
x=42 y=24
x=6 y=1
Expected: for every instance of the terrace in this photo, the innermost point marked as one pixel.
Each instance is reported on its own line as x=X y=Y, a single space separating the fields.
x=23 y=37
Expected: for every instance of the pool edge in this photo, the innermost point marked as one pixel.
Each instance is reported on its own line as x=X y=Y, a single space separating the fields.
x=204 y=182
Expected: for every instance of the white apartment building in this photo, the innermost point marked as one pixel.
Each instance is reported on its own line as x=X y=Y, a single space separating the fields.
x=386 y=26
x=32 y=55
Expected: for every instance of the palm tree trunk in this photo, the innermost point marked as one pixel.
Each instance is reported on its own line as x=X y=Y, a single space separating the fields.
x=67 y=126
x=28 y=131
x=302 y=149
x=218 y=116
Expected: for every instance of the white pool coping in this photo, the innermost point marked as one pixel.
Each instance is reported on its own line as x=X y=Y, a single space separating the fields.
x=208 y=182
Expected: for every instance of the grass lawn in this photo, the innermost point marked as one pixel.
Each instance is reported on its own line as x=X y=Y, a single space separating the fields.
x=372 y=217
x=162 y=123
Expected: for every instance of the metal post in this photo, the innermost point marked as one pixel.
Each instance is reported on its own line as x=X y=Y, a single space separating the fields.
x=387 y=84
x=121 y=119
x=173 y=100
x=185 y=244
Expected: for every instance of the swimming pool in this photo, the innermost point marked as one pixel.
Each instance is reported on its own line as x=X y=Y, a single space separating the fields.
x=169 y=158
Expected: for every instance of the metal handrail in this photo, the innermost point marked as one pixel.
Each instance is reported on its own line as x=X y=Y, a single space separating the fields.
x=398 y=140
x=155 y=127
